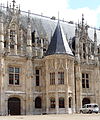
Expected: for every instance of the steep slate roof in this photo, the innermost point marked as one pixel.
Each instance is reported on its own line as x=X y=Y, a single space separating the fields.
x=58 y=43
x=46 y=26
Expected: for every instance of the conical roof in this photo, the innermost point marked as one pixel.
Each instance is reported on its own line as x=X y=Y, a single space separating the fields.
x=58 y=43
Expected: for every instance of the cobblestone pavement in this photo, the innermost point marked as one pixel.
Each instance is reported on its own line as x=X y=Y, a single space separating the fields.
x=54 y=117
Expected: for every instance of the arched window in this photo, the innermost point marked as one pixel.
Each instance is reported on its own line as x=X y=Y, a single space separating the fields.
x=33 y=36
x=70 y=102
x=38 y=102
x=52 y=102
x=61 y=102
x=85 y=101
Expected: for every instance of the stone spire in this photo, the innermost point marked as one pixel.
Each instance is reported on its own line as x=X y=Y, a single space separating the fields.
x=82 y=20
x=95 y=42
x=77 y=44
x=95 y=47
x=13 y=4
x=58 y=44
x=29 y=37
x=95 y=35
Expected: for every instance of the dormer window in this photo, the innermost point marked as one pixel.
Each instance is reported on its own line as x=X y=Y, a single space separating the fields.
x=84 y=47
x=12 y=37
x=12 y=34
x=84 y=51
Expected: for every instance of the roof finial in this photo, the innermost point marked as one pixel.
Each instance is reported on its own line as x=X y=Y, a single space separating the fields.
x=28 y=16
x=95 y=34
x=19 y=9
x=7 y=6
x=82 y=19
x=13 y=4
x=58 y=15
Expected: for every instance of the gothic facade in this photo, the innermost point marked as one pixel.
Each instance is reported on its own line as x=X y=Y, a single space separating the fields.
x=46 y=66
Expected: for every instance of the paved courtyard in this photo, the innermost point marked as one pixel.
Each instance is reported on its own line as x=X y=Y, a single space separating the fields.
x=54 y=117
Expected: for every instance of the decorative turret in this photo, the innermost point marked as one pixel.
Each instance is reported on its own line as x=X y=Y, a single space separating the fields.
x=95 y=45
x=13 y=10
x=58 y=44
x=21 y=40
x=29 y=37
x=95 y=36
x=1 y=35
x=81 y=41
x=82 y=21
x=77 y=45
x=41 y=49
x=95 y=42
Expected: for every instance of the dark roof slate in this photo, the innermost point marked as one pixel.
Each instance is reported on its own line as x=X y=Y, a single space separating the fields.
x=58 y=44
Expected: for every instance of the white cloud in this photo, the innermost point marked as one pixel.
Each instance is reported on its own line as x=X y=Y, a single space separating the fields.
x=51 y=8
x=89 y=15
x=47 y=7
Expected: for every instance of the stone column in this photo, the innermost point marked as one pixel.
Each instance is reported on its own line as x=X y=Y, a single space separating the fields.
x=78 y=84
x=1 y=35
x=2 y=87
x=66 y=96
x=29 y=87
x=73 y=88
x=6 y=106
x=47 y=85
x=56 y=93
x=97 y=84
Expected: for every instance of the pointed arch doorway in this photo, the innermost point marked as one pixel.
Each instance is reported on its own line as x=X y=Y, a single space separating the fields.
x=14 y=106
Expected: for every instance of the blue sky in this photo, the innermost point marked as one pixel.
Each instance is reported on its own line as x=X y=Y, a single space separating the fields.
x=92 y=4
x=69 y=10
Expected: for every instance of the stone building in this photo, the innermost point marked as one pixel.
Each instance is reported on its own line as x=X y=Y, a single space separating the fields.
x=46 y=66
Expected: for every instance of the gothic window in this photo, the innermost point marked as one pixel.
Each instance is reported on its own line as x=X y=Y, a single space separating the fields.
x=85 y=80
x=84 y=51
x=12 y=37
x=38 y=102
x=5 y=43
x=84 y=47
x=52 y=78
x=70 y=102
x=61 y=102
x=52 y=102
x=84 y=55
x=92 y=48
x=98 y=50
x=60 y=77
x=14 y=75
x=37 y=78
x=33 y=36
